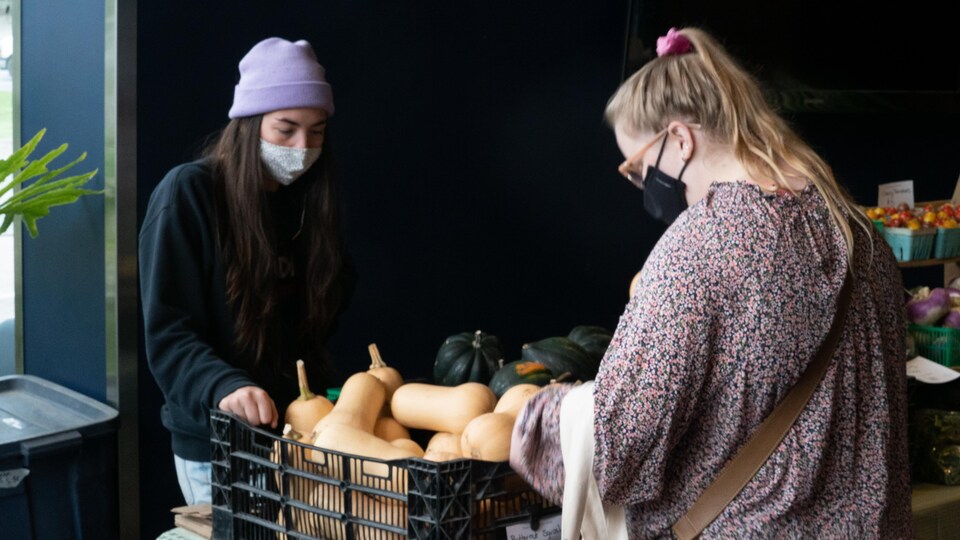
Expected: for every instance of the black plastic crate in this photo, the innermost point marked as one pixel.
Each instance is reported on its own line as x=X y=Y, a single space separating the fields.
x=267 y=487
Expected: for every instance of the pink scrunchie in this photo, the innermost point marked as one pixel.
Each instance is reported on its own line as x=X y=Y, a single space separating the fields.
x=673 y=43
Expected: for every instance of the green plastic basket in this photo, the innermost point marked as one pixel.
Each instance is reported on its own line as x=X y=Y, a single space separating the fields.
x=942 y=345
x=910 y=245
x=947 y=243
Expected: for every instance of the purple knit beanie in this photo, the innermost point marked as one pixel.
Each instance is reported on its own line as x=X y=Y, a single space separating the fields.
x=277 y=74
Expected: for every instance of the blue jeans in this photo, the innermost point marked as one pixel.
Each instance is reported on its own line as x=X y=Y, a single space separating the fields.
x=194 y=478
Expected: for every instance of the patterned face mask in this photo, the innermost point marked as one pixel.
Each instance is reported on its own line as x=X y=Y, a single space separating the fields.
x=287 y=164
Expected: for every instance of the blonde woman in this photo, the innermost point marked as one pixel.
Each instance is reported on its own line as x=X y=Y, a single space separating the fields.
x=729 y=309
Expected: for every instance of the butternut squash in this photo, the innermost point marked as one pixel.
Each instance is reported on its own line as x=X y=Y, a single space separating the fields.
x=389 y=429
x=408 y=444
x=358 y=406
x=379 y=509
x=441 y=408
x=308 y=409
x=444 y=442
x=440 y=456
x=515 y=398
x=316 y=494
x=487 y=437
x=350 y=440
x=389 y=376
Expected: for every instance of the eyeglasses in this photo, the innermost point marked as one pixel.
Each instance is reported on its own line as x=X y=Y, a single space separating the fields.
x=626 y=167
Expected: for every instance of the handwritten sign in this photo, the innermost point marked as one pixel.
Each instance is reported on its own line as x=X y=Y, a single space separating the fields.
x=11 y=478
x=549 y=530
x=895 y=193
x=930 y=372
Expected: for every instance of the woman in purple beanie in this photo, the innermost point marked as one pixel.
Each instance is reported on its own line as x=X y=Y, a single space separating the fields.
x=242 y=268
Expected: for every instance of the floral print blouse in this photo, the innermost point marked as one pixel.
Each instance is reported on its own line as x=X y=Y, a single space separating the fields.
x=730 y=307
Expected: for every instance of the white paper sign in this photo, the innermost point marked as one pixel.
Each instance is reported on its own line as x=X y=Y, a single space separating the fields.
x=894 y=193
x=927 y=371
x=11 y=478
x=549 y=530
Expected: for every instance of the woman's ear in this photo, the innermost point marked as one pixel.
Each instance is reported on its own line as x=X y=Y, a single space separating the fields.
x=684 y=134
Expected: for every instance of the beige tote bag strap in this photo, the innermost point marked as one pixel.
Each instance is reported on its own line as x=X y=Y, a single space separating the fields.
x=752 y=455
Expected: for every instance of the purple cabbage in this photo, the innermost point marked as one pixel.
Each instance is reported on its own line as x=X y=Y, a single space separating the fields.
x=929 y=309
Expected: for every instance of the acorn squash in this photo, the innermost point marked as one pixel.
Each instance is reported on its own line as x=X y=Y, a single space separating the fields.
x=466 y=358
x=519 y=372
x=593 y=339
x=561 y=355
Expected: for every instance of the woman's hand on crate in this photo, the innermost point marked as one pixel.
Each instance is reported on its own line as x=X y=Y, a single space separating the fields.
x=252 y=405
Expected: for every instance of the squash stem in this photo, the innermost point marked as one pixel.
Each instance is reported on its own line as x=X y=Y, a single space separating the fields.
x=376 y=361
x=476 y=339
x=305 y=393
x=289 y=433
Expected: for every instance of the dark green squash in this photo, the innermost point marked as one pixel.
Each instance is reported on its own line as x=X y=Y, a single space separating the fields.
x=593 y=339
x=519 y=372
x=467 y=357
x=561 y=355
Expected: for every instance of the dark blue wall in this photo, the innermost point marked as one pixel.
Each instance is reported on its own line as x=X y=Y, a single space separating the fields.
x=62 y=73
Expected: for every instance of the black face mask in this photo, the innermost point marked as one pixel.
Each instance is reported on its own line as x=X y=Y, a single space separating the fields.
x=663 y=195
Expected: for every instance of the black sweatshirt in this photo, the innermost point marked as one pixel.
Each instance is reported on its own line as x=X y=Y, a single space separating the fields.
x=188 y=325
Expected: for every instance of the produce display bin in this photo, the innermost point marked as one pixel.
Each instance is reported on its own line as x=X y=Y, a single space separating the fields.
x=267 y=487
x=910 y=245
x=947 y=243
x=58 y=460
x=942 y=345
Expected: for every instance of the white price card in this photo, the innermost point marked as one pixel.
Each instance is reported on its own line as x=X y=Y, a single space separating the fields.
x=927 y=371
x=549 y=530
x=893 y=194
x=11 y=478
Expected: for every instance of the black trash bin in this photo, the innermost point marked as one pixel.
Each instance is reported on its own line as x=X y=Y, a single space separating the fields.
x=58 y=463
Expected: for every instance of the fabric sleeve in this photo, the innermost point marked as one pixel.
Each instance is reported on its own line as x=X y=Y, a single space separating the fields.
x=174 y=241
x=648 y=388
x=535 y=451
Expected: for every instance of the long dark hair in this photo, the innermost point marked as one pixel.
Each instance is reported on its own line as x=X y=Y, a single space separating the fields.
x=245 y=232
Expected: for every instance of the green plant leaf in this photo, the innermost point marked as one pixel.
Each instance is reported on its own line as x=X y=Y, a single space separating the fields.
x=34 y=200
x=36 y=188
x=7 y=220
x=16 y=160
